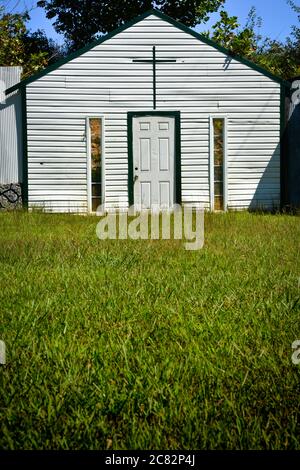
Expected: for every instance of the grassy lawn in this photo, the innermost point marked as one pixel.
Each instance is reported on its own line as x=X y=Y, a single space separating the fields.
x=144 y=345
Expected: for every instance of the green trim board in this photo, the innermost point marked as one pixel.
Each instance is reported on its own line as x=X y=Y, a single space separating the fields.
x=24 y=147
x=139 y=18
x=284 y=151
x=282 y=119
x=174 y=114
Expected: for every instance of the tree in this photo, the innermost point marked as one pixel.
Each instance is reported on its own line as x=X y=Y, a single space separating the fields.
x=278 y=58
x=293 y=42
x=19 y=47
x=227 y=32
x=84 y=21
x=38 y=42
x=281 y=59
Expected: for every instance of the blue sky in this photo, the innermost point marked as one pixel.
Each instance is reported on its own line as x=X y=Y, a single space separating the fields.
x=277 y=16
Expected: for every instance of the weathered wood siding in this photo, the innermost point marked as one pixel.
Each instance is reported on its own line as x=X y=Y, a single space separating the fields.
x=105 y=82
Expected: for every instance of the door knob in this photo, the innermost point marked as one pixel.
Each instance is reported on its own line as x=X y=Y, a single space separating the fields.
x=136 y=168
x=136 y=177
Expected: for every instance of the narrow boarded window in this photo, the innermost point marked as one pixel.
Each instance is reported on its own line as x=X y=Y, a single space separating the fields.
x=96 y=157
x=218 y=129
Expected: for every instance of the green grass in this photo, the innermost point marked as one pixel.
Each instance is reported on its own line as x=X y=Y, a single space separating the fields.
x=143 y=345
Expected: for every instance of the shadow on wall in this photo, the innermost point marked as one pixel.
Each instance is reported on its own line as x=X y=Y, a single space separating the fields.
x=267 y=194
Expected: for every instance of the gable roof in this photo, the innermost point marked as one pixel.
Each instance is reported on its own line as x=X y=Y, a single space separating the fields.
x=139 y=18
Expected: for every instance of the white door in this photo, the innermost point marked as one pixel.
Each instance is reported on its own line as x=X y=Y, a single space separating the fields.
x=153 y=162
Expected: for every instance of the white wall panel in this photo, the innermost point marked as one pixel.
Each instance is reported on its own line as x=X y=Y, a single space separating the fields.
x=104 y=81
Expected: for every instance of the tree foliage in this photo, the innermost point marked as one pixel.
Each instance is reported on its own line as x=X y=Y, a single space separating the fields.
x=280 y=58
x=293 y=42
x=227 y=33
x=83 y=21
x=19 y=47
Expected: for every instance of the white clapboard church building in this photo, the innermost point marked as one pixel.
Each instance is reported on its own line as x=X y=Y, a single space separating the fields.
x=152 y=114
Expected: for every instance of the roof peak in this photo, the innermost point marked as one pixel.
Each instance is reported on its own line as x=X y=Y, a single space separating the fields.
x=137 y=19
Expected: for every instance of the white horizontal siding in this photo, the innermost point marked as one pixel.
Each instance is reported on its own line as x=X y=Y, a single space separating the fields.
x=10 y=128
x=104 y=81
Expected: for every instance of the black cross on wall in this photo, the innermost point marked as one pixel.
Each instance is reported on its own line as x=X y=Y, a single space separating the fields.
x=154 y=61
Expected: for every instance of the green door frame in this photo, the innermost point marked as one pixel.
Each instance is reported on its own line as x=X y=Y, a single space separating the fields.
x=177 y=166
